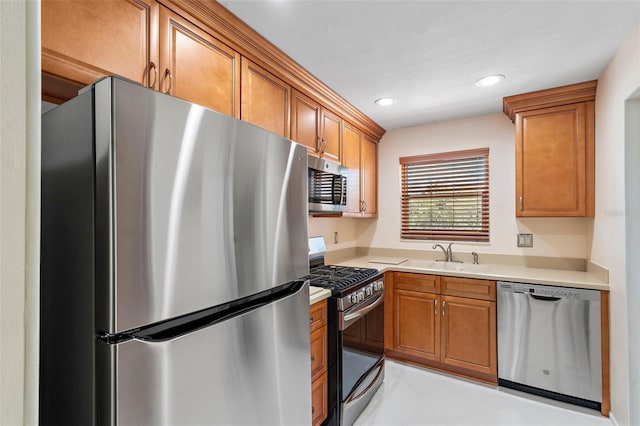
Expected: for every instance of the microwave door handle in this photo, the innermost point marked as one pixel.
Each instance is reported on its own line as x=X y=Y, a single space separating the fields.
x=348 y=319
x=337 y=193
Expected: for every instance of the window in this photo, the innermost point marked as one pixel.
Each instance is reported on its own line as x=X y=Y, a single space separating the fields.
x=446 y=196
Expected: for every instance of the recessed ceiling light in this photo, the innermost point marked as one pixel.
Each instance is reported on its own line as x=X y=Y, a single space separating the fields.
x=490 y=80
x=385 y=101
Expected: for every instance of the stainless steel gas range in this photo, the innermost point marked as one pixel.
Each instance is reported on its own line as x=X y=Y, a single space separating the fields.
x=356 y=336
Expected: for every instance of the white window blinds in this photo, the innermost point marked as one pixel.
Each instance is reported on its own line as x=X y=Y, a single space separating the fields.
x=446 y=196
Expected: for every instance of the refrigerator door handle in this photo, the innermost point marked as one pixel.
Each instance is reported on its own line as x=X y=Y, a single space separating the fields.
x=173 y=328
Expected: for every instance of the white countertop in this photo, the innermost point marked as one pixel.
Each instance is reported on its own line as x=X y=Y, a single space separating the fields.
x=498 y=272
x=317 y=294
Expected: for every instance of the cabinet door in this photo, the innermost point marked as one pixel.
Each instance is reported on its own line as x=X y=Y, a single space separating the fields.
x=197 y=67
x=305 y=121
x=319 y=399
x=551 y=161
x=417 y=282
x=264 y=99
x=369 y=177
x=331 y=135
x=318 y=351
x=416 y=324
x=84 y=40
x=469 y=335
x=351 y=160
x=469 y=287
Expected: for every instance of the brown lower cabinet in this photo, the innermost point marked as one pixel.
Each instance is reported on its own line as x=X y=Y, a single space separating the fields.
x=319 y=390
x=447 y=323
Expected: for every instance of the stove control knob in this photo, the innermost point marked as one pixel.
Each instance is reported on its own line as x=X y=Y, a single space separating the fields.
x=360 y=296
x=381 y=285
x=368 y=291
x=376 y=286
x=353 y=298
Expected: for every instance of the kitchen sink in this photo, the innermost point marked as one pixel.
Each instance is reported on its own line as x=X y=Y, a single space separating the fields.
x=447 y=266
x=464 y=267
x=417 y=263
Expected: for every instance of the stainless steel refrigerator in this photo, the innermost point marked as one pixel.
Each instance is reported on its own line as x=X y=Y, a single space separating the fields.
x=173 y=243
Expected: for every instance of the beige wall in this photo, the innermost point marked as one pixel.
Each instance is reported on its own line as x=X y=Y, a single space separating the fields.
x=617 y=83
x=19 y=209
x=565 y=237
x=327 y=227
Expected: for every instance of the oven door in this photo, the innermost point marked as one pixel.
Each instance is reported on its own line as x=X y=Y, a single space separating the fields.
x=362 y=355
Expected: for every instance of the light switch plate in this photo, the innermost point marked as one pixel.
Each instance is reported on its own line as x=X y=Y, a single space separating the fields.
x=525 y=240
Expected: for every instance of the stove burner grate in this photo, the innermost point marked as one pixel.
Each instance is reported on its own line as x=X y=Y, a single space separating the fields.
x=339 y=278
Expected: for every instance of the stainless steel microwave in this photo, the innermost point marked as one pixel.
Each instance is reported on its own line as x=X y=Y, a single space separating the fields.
x=327 y=186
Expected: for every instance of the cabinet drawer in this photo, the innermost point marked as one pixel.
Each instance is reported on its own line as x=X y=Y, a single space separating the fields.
x=318 y=315
x=469 y=287
x=417 y=282
x=318 y=351
x=319 y=404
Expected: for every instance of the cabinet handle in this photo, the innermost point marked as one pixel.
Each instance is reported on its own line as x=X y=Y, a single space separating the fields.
x=443 y=309
x=318 y=144
x=153 y=67
x=365 y=206
x=324 y=145
x=521 y=204
x=167 y=72
x=435 y=307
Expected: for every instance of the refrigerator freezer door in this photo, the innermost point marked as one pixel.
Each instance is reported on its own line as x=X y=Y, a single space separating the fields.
x=204 y=208
x=253 y=369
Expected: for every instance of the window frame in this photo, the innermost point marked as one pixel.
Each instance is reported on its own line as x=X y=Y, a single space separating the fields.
x=471 y=179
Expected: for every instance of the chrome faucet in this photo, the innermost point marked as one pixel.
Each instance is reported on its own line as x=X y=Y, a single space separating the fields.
x=448 y=253
x=445 y=251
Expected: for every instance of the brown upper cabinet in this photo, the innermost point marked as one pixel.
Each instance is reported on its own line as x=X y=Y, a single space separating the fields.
x=84 y=40
x=360 y=156
x=315 y=127
x=197 y=67
x=555 y=150
x=196 y=50
x=369 y=176
x=139 y=40
x=265 y=99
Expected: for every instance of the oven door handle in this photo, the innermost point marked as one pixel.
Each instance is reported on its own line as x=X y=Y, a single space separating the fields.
x=357 y=395
x=347 y=319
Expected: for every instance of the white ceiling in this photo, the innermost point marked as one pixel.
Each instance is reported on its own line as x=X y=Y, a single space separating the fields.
x=429 y=54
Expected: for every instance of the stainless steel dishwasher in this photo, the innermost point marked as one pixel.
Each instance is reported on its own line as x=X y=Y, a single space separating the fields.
x=549 y=342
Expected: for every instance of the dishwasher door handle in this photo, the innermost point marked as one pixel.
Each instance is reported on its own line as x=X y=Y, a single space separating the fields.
x=545 y=298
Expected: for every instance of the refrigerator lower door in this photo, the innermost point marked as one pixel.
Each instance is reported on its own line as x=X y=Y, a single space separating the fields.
x=253 y=369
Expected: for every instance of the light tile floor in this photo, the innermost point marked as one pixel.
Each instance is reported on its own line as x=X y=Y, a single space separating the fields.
x=415 y=396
